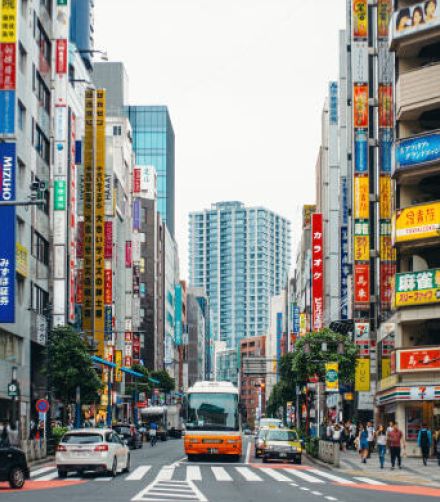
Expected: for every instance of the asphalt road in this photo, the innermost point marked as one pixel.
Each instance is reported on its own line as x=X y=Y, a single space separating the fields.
x=163 y=474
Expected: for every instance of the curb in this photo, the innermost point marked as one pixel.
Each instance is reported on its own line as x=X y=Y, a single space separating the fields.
x=316 y=461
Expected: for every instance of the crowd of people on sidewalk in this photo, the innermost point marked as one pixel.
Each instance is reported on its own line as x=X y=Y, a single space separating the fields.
x=365 y=438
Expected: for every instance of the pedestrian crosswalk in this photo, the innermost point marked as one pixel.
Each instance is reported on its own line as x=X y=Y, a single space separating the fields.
x=190 y=474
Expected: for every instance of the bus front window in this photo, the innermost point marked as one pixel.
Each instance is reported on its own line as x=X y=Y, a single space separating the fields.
x=209 y=412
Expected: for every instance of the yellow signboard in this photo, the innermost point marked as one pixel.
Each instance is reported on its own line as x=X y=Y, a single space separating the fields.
x=21 y=260
x=118 y=361
x=387 y=252
x=417 y=222
x=386 y=367
x=362 y=375
x=385 y=197
x=332 y=377
x=361 y=247
x=417 y=288
x=8 y=21
x=361 y=197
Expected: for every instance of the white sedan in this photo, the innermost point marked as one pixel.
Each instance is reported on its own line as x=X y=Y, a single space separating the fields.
x=99 y=450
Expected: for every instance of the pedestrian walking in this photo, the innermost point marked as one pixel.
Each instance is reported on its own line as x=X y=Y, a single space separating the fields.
x=381 y=441
x=370 y=431
x=395 y=441
x=390 y=426
x=337 y=435
x=437 y=446
x=363 y=443
x=424 y=442
x=153 y=433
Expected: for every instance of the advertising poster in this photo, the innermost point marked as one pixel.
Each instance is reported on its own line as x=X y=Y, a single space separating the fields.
x=421 y=359
x=317 y=272
x=332 y=377
x=419 y=17
x=417 y=288
x=386 y=105
x=387 y=252
x=362 y=285
x=360 y=105
x=118 y=362
x=361 y=248
x=361 y=150
x=361 y=198
x=385 y=150
x=418 y=150
x=385 y=197
x=7 y=242
x=308 y=210
x=418 y=222
x=384 y=11
x=362 y=375
x=387 y=272
x=360 y=19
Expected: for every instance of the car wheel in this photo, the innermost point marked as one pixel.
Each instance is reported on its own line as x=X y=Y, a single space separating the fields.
x=127 y=466
x=264 y=460
x=114 y=469
x=17 y=477
x=62 y=474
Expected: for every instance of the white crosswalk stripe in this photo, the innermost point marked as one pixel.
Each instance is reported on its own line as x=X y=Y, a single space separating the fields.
x=193 y=473
x=166 y=473
x=138 y=473
x=304 y=476
x=220 y=474
x=273 y=473
x=248 y=474
x=329 y=476
x=370 y=481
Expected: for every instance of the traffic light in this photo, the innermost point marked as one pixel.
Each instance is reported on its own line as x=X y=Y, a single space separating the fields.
x=37 y=190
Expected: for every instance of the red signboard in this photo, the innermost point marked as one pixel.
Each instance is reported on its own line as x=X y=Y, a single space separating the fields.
x=128 y=255
x=136 y=180
x=80 y=286
x=7 y=67
x=317 y=272
x=387 y=272
x=385 y=105
x=108 y=240
x=421 y=359
x=128 y=336
x=136 y=347
x=362 y=285
x=108 y=286
x=128 y=360
x=61 y=56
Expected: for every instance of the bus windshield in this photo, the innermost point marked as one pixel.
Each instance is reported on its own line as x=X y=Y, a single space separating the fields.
x=213 y=412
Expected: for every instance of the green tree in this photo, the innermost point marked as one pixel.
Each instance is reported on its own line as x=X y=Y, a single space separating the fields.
x=143 y=383
x=308 y=363
x=69 y=365
x=285 y=389
x=166 y=383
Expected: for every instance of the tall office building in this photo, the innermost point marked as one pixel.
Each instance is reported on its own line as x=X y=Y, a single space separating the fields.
x=241 y=257
x=81 y=28
x=153 y=142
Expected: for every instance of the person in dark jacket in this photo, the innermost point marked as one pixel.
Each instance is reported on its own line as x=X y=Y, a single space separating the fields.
x=424 y=442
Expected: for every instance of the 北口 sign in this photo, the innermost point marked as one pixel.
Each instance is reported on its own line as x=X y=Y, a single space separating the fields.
x=418 y=151
x=418 y=359
x=417 y=288
x=417 y=222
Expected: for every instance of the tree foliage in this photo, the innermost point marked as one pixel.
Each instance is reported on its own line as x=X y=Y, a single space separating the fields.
x=69 y=365
x=166 y=383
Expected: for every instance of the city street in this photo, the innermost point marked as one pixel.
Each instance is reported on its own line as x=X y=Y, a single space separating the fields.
x=163 y=474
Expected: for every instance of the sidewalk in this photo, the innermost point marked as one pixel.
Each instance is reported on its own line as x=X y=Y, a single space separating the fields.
x=413 y=471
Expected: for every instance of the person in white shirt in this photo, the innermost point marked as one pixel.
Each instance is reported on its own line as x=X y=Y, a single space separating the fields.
x=370 y=431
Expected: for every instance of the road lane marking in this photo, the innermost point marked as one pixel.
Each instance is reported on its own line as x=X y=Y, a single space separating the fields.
x=304 y=476
x=275 y=475
x=304 y=488
x=330 y=498
x=332 y=477
x=166 y=473
x=138 y=473
x=317 y=493
x=371 y=481
x=193 y=473
x=248 y=474
x=220 y=474
x=248 y=452
x=293 y=484
x=41 y=471
x=103 y=479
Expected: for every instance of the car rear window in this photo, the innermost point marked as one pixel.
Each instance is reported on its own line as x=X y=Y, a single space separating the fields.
x=82 y=438
x=122 y=430
x=281 y=436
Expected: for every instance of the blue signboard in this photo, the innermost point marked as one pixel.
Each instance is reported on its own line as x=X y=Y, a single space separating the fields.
x=137 y=214
x=344 y=192
x=108 y=325
x=178 y=315
x=420 y=150
x=333 y=98
x=385 y=149
x=78 y=152
x=7 y=241
x=7 y=112
x=345 y=272
x=295 y=319
x=361 y=150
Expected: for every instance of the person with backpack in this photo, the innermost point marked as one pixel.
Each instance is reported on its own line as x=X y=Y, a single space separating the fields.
x=424 y=442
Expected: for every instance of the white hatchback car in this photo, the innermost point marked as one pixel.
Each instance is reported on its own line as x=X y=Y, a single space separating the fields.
x=99 y=450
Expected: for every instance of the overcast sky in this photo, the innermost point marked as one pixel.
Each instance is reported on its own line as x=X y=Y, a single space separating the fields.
x=244 y=80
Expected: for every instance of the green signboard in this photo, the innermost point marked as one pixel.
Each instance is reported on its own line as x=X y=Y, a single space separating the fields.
x=59 y=203
x=62 y=2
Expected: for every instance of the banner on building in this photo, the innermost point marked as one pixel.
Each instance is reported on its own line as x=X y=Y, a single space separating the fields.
x=317 y=272
x=332 y=377
x=417 y=288
x=386 y=117
x=361 y=248
x=418 y=359
x=361 y=197
x=419 y=150
x=360 y=19
x=362 y=285
x=360 y=105
x=385 y=197
x=417 y=222
x=361 y=150
x=387 y=273
x=118 y=362
x=419 y=17
x=384 y=12
x=362 y=375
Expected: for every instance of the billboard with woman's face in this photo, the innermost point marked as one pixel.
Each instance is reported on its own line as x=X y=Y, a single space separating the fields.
x=419 y=17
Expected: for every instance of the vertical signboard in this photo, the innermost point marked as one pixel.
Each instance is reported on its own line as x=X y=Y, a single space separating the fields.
x=72 y=218
x=317 y=272
x=8 y=50
x=7 y=241
x=360 y=19
x=178 y=315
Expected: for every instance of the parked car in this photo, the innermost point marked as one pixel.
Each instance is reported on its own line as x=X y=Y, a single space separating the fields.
x=282 y=444
x=130 y=434
x=99 y=450
x=13 y=467
x=259 y=442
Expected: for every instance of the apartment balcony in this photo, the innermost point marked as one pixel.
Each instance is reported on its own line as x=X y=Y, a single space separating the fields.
x=417 y=156
x=418 y=91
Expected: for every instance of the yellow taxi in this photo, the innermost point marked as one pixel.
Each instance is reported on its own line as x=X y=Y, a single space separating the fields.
x=282 y=444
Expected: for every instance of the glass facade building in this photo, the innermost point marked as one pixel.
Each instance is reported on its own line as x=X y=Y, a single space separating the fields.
x=153 y=144
x=241 y=257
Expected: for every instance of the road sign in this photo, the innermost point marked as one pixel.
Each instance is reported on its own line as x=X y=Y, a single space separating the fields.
x=42 y=406
x=13 y=389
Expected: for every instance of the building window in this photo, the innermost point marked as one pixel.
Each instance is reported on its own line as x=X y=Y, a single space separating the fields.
x=21 y=116
x=40 y=248
x=42 y=144
x=39 y=299
x=43 y=93
x=22 y=58
x=117 y=131
x=10 y=348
